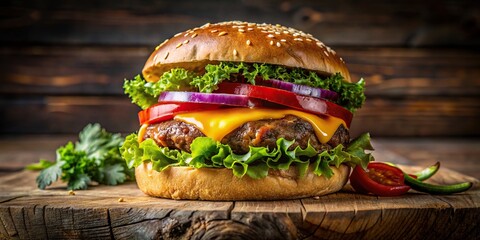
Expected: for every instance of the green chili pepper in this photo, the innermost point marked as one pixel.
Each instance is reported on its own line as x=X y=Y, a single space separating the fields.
x=436 y=189
x=427 y=172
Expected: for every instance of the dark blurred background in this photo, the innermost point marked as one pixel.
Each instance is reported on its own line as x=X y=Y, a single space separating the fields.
x=62 y=63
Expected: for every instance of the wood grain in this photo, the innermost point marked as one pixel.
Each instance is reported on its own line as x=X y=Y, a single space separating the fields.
x=362 y=23
x=389 y=72
x=27 y=213
x=55 y=52
x=460 y=154
x=67 y=114
x=453 y=153
x=428 y=116
x=409 y=92
x=69 y=70
x=63 y=64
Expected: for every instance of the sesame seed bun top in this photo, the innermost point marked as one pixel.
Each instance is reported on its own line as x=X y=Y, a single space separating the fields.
x=243 y=42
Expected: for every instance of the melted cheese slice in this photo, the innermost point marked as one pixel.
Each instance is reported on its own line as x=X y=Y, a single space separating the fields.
x=218 y=123
x=141 y=132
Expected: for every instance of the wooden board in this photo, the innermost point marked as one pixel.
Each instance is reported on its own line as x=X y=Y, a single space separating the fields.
x=26 y=212
x=410 y=92
x=348 y=22
x=427 y=116
x=64 y=62
x=93 y=71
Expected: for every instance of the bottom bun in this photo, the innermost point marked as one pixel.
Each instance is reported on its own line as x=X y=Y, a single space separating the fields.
x=221 y=184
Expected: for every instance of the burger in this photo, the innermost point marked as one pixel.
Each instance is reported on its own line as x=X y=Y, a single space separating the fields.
x=244 y=111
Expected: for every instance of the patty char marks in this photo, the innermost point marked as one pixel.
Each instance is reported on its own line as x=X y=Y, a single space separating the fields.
x=263 y=133
x=173 y=134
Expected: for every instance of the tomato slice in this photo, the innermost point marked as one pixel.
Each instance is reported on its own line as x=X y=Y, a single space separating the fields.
x=166 y=111
x=379 y=179
x=289 y=99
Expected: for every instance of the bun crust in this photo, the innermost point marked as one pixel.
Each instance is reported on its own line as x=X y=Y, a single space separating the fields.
x=221 y=184
x=243 y=42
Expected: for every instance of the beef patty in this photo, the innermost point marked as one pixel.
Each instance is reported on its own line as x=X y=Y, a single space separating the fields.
x=263 y=133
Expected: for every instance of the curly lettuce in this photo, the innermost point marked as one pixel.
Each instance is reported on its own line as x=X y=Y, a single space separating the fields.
x=208 y=153
x=145 y=94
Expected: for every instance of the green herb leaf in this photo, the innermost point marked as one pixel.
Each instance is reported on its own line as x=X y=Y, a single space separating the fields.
x=49 y=175
x=113 y=174
x=42 y=164
x=79 y=181
x=95 y=157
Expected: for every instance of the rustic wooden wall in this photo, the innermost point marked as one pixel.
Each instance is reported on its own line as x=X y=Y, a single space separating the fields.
x=62 y=63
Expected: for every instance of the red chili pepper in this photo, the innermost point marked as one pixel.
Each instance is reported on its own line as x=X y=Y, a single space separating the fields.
x=379 y=179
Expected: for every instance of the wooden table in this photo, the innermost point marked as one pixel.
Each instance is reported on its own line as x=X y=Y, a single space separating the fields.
x=123 y=212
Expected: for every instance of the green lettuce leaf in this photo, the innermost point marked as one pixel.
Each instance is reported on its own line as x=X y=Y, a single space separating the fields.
x=145 y=94
x=136 y=89
x=256 y=163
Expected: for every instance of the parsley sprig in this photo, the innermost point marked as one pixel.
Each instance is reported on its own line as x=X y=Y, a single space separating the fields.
x=95 y=157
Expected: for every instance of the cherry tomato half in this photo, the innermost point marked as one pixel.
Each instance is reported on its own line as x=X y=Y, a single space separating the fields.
x=289 y=99
x=379 y=179
x=166 y=111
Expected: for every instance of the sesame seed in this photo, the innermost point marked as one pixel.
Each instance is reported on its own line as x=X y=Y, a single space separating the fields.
x=121 y=199
x=278 y=33
x=186 y=41
x=206 y=25
x=194 y=35
x=178 y=34
x=296 y=34
x=249 y=43
x=271 y=42
x=308 y=39
x=264 y=31
x=241 y=30
x=270 y=36
x=283 y=40
x=214 y=31
x=186 y=34
x=241 y=26
x=71 y=192
x=285 y=32
x=279 y=44
x=278 y=25
x=222 y=33
x=157 y=47
x=319 y=44
x=235 y=52
x=249 y=29
x=298 y=39
x=166 y=40
x=166 y=55
x=251 y=24
x=179 y=45
x=234 y=26
x=325 y=53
